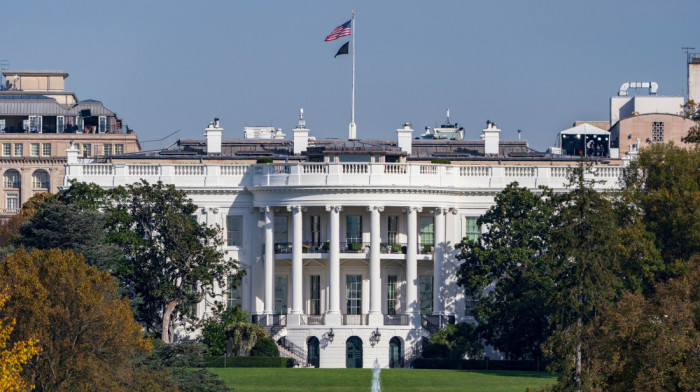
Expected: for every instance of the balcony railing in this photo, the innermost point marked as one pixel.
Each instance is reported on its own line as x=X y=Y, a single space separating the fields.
x=354 y=319
x=395 y=248
x=312 y=320
x=396 y=319
x=354 y=247
x=341 y=174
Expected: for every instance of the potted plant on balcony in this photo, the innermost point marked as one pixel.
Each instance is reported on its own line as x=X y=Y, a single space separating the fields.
x=326 y=246
x=356 y=247
x=428 y=248
x=396 y=248
x=383 y=247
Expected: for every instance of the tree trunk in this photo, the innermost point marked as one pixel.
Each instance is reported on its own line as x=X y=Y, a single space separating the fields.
x=167 y=315
x=577 y=374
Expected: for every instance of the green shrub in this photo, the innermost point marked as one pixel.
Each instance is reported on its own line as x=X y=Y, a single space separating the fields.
x=269 y=362
x=395 y=248
x=355 y=247
x=441 y=161
x=460 y=339
x=475 y=364
x=436 y=350
x=265 y=347
x=326 y=246
x=428 y=248
x=214 y=329
x=264 y=160
x=182 y=354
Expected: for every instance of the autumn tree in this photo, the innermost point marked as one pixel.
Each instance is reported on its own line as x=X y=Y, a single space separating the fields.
x=171 y=262
x=691 y=110
x=86 y=333
x=513 y=315
x=13 y=357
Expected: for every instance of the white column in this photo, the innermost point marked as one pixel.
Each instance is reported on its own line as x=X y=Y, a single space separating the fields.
x=412 y=265
x=269 y=261
x=294 y=317
x=333 y=314
x=375 y=283
x=438 y=258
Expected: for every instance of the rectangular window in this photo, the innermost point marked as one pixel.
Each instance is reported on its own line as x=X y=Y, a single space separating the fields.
x=118 y=149
x=657 y=131
x=391 y=297
x=35 y=124
x=427 y=231
x=315 y=298
x=392 y=229
x=60 y=124
x=102 y=126
x=315 y=230
x=469 y=304
x=234 y=230
x=353 y=294
x=108 y=149
x=280 y=234
x=6 y=149
x=11 y=179
x=354 y=229
x=87 y=150
x=281 y=294
x=34 y=149
x=12 y=201
x=2 y=125
x=426 y=295
x=79 y=124
x=472 y=230
x=46 y=149
x=233 y=294
x=19 y=149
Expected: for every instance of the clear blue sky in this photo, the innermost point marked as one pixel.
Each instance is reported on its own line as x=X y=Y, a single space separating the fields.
x=532 y=65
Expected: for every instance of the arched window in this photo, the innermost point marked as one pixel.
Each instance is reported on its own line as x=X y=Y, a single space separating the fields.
x=353 y=352
x=40 y=179
x=12 y=179
x=395 y=357
x=313 y=355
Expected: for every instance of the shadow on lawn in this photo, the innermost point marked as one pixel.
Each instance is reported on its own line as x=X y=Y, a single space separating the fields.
x=510 y=373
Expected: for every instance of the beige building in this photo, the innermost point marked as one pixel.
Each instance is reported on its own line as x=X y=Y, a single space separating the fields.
x=635 y=132
x=39 y=120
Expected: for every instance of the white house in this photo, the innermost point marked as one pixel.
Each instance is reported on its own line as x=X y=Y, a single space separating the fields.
x=348 y=245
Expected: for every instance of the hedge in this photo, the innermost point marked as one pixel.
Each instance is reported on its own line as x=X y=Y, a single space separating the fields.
x=262 y=362
x=264 y=160
x=476 y=364
x=441 y=161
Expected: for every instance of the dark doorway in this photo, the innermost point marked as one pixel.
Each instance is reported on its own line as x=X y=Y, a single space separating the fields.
x=313 y=355
x=353 y=352
x=395 y=358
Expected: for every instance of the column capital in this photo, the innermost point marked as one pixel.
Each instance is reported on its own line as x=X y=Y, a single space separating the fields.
x=454 y=210
x=378 y=208
x=334 y=208
x=413 y=208
x=263 y=209
x=440 y=211
x=295 y=208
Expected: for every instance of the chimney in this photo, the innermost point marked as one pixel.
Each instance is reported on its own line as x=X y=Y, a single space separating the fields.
x=213 y=134
x=72 y=154
x=404 y=138
x=301 y=135
x=491 y=138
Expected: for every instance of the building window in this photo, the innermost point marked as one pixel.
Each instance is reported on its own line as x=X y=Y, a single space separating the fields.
x=353 y=294
x=469 y=304
x=281 y=294
x=6 y=149
x=19 y=149
x=657 y=131
x=79 y=124
x=87 y=150
x=392 y=229
x=102 y=126
x=391 y=297
x=2 y=125
x=354 y=229
x=315 y=298
x=12 y=179
x=472 y=230
x=108 y=149
x=35 y=124
x=46 y=149
x=427 y=231
x=280 y=234
x=40 y=179
x=315 y=230
x=426 y=295
x=60 y=124
x=12 y=201
x=118 y=149
x=233 y=292
x=234 y=230
x=34 y=149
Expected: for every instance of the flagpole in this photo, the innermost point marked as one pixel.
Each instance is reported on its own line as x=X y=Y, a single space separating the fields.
x=353 y=131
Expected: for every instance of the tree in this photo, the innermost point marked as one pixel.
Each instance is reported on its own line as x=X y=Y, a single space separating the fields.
x=67 y=226
x=241 y=337
x=651 y=344
x=583 y=255
x=214 y=327
x=13 y=358
x=455 y=341
x=87 y=335
x=691 y=110
x=171 y=261
x=513 y=315
x=10 y=228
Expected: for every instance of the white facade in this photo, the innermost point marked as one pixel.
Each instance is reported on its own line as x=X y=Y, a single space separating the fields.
x=286 y=212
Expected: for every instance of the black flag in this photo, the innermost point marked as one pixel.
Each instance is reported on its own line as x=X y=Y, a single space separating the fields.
x=343 y=49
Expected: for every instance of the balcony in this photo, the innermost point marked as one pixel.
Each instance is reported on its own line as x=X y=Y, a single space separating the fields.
x=396 y=319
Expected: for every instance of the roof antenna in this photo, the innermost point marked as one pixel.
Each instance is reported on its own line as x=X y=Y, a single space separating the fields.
x=448 y=116
x=519 y=132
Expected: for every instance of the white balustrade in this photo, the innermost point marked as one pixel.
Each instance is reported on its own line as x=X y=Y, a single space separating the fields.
x=234 y=170
x=189 y=170
x=520 y=171
x=144 y=170
x=97 y=170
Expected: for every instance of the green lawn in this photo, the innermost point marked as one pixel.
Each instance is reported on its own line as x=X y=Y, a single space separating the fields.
x=342 y=380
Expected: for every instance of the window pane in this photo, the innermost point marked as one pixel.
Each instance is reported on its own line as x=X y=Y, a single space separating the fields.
x=391 y=294
x=12 y=179
x=103 y=124
x=6 y=149
x=118 y=149
x=392 y=229
x=472 y=231
x=427 y=231
x=315 y=297
x=315 y=230
x=18 y=150
x=281 y=294
x=233 y=296
x=426 y=294
x=353 y=294
x=281 y=237
x=40 y=179
x=234 y=230
x=34 y=149
x=354 y=229
x=12 y=201
x=87 y=150
x=46 y=150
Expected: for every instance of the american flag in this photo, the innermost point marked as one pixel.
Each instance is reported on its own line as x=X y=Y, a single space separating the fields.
x=341 y=31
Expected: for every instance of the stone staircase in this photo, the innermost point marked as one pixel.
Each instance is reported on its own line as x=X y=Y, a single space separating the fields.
x=291 y=350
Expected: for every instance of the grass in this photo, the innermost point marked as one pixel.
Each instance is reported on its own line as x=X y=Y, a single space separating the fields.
x=392 y=380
